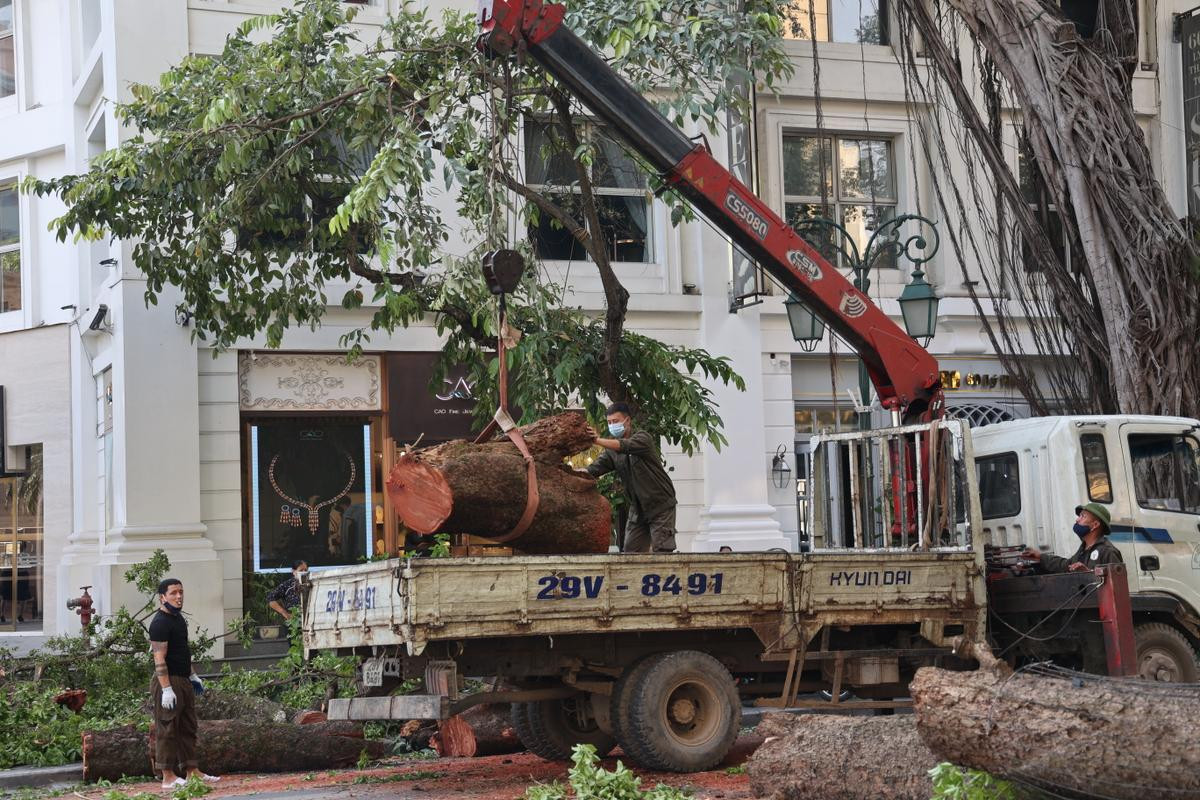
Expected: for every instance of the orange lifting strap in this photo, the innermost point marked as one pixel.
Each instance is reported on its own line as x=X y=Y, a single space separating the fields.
x=502 y=270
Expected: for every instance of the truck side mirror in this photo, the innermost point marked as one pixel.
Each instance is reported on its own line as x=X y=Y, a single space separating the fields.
x=1148 y=563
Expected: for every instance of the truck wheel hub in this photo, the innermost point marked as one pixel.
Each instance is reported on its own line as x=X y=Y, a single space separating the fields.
x=1159 y=667
x=683 y=711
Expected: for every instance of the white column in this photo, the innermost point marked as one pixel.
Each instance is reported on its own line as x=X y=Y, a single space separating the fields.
x=737 y=509
x=156 y=416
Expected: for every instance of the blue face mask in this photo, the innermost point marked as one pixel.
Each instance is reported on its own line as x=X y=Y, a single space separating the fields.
x=617 y=429
x=1081 y=530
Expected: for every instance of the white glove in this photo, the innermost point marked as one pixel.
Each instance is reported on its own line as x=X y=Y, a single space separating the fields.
x=168 y=698
x=197 y=684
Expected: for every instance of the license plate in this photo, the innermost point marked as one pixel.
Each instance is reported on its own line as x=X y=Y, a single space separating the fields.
x=372 y=672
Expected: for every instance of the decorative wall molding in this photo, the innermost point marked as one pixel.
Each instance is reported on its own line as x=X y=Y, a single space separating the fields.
x=308 y=382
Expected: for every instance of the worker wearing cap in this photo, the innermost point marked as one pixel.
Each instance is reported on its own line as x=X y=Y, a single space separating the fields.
x=1095 y=550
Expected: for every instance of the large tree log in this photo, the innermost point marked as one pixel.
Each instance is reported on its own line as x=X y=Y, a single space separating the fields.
x=1083 y=735
x=486 y=485
x=233 y=746
x=817 y=757
x=480 y=731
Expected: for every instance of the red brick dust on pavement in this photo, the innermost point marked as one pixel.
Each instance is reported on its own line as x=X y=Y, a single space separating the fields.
x=489 y=778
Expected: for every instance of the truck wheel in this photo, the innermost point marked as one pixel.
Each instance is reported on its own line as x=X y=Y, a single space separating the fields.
x=556 y=726
x=685 y=712
x=1164 y=654
x=519 y=714
x=621 y=701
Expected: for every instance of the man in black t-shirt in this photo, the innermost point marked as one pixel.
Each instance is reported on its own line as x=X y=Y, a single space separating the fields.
x=173 y=689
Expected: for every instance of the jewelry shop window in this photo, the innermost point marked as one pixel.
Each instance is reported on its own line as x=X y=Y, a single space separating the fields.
x=311 y=493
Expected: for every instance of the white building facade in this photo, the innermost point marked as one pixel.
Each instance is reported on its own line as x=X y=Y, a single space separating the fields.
x=143 y=440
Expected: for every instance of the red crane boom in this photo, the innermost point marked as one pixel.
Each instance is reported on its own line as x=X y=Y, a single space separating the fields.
x=904 y=373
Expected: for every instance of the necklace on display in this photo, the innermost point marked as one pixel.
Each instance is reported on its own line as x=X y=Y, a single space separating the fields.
x=312 y=509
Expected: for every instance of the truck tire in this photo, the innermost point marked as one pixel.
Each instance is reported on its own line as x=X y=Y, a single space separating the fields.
x=684 y=712
x=519 y=714
x=621 y=701
x=1164 y=654
x=554 y=727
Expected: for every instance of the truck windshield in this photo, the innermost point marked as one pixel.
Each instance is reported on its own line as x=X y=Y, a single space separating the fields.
x=999 y=486
x=1166 y=471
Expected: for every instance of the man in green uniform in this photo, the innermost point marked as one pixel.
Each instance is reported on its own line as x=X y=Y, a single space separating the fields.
x=633 y=455
x=1095 y=550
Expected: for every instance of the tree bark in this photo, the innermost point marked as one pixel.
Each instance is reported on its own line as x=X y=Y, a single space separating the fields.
x=480 y=731
x=486 y=487
x=817 y=757
x=1089 y=735
x=225 y=746
x=1077 y=111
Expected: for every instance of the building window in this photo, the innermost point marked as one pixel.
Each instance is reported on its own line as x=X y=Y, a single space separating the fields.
x=847 y=179
x=825 y=420
x=618 y=184
x=10 y=249
x=1166 y=471
x=1037 y=197
x=21 y=547
x=8 y=50
x=855 y=21
x=999 y=486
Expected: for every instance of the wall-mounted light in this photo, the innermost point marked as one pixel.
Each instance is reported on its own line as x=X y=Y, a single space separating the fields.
x=183 y=316
x=781 y=472
x=99 y=319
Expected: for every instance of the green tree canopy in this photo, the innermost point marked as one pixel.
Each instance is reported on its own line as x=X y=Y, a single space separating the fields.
x=305 y=159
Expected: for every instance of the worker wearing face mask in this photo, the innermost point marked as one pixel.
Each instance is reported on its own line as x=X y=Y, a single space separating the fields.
x=633 y=455
x=1095 y=550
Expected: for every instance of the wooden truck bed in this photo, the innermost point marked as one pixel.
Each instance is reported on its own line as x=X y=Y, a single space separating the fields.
x=783 y=598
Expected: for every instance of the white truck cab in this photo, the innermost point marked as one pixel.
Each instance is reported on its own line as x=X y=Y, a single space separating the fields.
x=1033 y=473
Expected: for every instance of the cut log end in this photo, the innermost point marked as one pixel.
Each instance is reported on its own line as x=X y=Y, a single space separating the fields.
x=480 y=731
x=420 y=494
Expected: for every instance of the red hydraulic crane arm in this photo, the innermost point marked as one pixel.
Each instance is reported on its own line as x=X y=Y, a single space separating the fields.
x=905 y=375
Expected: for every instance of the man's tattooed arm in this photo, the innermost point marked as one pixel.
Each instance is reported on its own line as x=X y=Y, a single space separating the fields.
x=159 y=649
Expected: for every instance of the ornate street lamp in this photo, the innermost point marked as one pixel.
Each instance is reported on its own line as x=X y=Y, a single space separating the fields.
x=918 y=301
x=807 y=328
x=919 y=305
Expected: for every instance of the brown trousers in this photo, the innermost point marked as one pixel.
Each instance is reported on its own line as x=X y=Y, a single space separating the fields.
x=174 y=729
x=656 y=534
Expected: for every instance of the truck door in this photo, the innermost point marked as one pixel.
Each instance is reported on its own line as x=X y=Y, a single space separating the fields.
x=1163 y=473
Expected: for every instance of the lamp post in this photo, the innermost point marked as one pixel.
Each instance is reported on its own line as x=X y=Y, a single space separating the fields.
x=918 y=301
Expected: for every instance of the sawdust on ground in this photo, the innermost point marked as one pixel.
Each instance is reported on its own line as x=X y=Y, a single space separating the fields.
x=503 y=777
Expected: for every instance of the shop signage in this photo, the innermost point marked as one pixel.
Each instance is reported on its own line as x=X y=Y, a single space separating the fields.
x=419 y=410
x=309 y=382
x=1189 y=39
x=953 y=379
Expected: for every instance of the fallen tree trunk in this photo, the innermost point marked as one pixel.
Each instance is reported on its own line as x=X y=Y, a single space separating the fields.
x=822 y=757
x=1064 y=732
x=481 y=489
x=234 y=705
x=480 y=731
x=232 y=746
